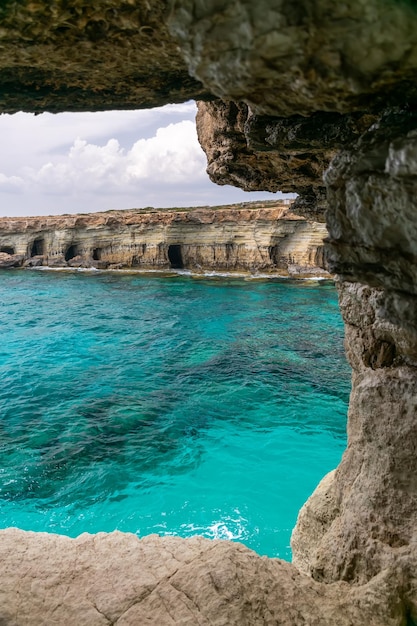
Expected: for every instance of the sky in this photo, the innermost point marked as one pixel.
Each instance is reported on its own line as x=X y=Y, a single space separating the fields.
x=87 y=162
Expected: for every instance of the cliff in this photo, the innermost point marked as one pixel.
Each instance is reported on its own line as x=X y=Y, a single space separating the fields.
x=250 y=237
x=290 y=90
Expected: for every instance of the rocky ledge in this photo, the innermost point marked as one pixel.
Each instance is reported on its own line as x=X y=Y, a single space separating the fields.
x=103 y=579
x=252 y=237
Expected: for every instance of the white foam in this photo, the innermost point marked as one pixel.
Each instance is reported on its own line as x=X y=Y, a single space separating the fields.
x=230 y=528
x=184 y=272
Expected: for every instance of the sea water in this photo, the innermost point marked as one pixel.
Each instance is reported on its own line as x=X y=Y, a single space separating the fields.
x=167 y=404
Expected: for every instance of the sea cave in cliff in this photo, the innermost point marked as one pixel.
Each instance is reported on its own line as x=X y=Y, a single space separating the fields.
x=175 y=256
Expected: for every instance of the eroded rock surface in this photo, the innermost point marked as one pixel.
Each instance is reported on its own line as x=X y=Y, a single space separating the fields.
x=372 y=498
x=81 y=56
x=296 y=58
x=116 y=578
x=251 y=237
x=258 y=152
x=10 y=260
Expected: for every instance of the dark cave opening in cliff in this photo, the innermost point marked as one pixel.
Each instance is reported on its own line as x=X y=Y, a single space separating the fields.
x=96 y=254
x=7 y=249
x=72 y=251
x=37 y=247
x=273 y=254
x=175 y=256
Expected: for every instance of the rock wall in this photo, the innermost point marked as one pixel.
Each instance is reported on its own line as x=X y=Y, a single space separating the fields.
x=252 y=237
x=368 y=505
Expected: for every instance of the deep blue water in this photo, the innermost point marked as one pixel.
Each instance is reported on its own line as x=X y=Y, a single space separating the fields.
x=167 y=404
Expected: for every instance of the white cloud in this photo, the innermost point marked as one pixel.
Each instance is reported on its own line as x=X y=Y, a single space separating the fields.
x=79 y=162
x=11 y=183
x=171 y=156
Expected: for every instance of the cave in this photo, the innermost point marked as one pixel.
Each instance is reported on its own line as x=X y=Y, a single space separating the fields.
x=38 y=247
x=280 y=85
x=273 y=254
x=71 y=252
x=96 y=254
x=175 y=256
x=7 y=249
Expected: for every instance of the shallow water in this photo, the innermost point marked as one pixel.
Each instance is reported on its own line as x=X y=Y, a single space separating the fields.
x=167 y=404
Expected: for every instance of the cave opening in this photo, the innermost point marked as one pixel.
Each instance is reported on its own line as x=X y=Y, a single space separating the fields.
x=72 y=252
x=273 y=254
x=96 y=254
x=7 y=249
x=38 y=247
x=175 y=256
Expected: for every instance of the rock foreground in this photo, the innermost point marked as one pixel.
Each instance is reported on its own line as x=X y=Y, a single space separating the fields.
x=252 y=237
x=288 y=90
x=97 y=580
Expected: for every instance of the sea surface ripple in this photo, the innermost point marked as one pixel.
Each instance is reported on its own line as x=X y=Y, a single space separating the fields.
x=167 y=404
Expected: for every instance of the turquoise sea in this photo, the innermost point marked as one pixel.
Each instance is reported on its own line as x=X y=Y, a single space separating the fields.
x=167 y=404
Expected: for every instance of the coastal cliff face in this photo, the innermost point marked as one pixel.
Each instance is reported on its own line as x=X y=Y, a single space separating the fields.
x=368 y=505
x=289 y=89
x=252 y=237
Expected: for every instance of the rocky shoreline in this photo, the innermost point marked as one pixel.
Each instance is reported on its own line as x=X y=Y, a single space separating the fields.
x=250 y=237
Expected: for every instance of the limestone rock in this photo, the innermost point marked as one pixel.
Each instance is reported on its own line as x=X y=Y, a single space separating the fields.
x=57 y=261
x=314 y=519
x=83 y=56
x=286 y=58
x=263 y=152
x=116 y=578
x=371 y=217
x=34 y=261
x=372 y=245
x=250 y=237
x=10 y=260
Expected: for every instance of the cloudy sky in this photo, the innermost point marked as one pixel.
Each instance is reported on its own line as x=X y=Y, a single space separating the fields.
x=84 y=162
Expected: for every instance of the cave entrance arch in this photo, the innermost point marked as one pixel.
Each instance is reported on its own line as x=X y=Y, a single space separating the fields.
x=175 y=256
x=38 y=247
x=72 y=251
x=7 y=249
x=96 y=254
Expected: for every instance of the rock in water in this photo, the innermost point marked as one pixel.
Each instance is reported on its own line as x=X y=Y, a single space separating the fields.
x=10 y=260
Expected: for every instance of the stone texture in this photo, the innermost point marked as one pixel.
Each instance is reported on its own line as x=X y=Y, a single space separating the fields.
x=370 y=517
x=79 y=56
x=369 y=505
x=282 y=58
x=371 y=219
x=258 y=152
x=314 y=520
x=116 y=578
x=10 y=260
x=296 y=58
x=251 y=237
